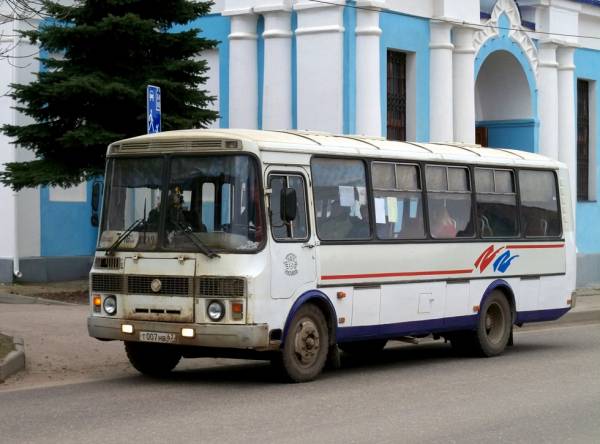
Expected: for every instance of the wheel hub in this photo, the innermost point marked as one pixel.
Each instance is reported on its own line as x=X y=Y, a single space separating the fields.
x=307 y=342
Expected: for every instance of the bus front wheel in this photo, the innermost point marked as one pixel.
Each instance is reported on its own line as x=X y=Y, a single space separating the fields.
x=306 y=345
x=152 y=359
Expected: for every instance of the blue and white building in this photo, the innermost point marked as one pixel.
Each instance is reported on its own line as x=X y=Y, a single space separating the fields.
x=517 y=74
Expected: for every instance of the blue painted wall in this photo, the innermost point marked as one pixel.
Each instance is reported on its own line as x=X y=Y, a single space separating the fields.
x=66 y=229
x=587 y=64
x=349 y=69
x=407 y=34
x=518 y=134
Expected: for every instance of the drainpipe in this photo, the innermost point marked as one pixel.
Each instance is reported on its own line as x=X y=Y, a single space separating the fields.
x=16 y=265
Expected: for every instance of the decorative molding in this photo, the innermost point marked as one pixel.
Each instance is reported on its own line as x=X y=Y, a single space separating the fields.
x=517 y=33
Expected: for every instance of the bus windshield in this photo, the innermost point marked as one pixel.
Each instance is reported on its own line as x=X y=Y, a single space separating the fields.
x=183 y=203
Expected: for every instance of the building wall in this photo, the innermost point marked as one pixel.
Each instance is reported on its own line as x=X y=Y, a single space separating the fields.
x=284 y=64
x=587 y=64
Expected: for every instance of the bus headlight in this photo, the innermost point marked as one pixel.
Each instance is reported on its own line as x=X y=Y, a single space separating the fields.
x=215 y=311
x=110 y=305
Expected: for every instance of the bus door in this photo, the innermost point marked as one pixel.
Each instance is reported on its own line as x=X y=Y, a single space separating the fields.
x=293 y=263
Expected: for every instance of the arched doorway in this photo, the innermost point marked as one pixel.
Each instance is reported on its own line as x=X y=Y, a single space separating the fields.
x=503 y=104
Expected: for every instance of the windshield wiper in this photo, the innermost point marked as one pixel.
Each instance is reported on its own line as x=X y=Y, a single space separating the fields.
x=194 y=238
x=110 y=250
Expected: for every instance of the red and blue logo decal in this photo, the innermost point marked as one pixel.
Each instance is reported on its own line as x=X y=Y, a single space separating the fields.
x=499 y=263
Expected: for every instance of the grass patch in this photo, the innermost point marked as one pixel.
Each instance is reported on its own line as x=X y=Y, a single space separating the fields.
x=6 y=346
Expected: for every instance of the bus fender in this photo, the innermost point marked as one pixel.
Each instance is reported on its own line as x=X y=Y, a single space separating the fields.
x=320 y=300
x=502 y=285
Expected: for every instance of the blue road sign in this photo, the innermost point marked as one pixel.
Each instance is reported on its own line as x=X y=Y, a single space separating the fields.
x=153 y=109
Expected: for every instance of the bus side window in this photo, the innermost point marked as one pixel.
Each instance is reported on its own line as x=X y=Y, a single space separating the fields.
x=341 y=186
x=449 y=201
x=296 y=229
x=398 y=196
x=496 y=203
x=540 y=214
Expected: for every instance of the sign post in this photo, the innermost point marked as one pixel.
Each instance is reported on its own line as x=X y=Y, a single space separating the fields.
x=153 y=109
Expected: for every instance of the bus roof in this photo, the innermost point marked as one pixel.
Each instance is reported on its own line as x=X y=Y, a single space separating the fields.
x=312 y=142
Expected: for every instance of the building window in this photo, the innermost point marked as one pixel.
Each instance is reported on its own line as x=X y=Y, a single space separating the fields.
x=396 y=95
x=583 y=140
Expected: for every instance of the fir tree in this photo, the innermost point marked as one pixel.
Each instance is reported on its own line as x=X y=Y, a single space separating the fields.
x=101 y=56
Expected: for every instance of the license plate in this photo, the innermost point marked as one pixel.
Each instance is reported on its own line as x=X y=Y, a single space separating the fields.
x=163 y=338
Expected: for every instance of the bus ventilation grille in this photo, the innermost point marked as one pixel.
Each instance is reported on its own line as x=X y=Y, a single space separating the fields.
x=170 y=285
x=221 y=287
x=107 y=283
x=111 y=263
x=177 y=145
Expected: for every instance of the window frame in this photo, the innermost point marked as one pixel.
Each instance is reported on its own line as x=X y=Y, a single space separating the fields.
x=166 y=176
x=517 y=194
x=476 y=238
x=366 y=161
x=469 y=167
x=558 y=206
x=306 y=206
x=420 y=191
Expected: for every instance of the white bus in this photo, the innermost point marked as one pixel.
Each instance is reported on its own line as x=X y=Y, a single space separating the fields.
x=290 y=246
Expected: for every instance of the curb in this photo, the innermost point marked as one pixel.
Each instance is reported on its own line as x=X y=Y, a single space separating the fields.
x=14 y=361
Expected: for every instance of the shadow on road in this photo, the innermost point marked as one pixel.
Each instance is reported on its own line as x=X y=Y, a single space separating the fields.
x=409 y=359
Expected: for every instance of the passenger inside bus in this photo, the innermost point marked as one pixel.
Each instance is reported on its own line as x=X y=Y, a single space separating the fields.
x=442 y=224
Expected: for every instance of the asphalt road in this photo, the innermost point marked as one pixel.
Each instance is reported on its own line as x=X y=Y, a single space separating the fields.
x=545 y=389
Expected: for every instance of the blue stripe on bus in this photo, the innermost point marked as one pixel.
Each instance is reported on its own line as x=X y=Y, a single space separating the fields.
x=414 y=328
x=540 y=315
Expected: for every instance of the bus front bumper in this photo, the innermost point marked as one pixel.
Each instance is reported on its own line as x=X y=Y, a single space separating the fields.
x=254 y=336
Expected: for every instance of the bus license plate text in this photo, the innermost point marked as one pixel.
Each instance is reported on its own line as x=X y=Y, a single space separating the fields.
x=163 y=338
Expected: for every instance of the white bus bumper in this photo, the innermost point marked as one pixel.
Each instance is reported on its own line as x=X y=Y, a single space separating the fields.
x=254 y=336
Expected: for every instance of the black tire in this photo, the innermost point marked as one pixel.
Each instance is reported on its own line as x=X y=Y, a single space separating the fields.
x=306 y=345
x=152 y=359
x=494 y=329
x=362 y=348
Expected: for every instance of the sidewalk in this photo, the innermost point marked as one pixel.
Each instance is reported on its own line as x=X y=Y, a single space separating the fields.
x=67 y=292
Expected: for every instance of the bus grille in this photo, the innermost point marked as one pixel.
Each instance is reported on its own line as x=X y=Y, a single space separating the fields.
x=107 y=283
x=173 y=286
x=221 y=287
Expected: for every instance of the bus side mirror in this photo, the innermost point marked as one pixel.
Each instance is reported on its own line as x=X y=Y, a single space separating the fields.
x=287 y=206
x=96 y=190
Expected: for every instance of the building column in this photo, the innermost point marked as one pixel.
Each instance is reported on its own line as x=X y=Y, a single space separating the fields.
x=463 y=77
x=277 y=83
x=243 y=72
x=567 y=133
x=368 y=84
x=320 y=66
x=548 y=99
x=440 y=82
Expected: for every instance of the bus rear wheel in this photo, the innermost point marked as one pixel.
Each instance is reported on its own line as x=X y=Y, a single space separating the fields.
x=152 y=359
x=493 y=332
x=306 y=345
